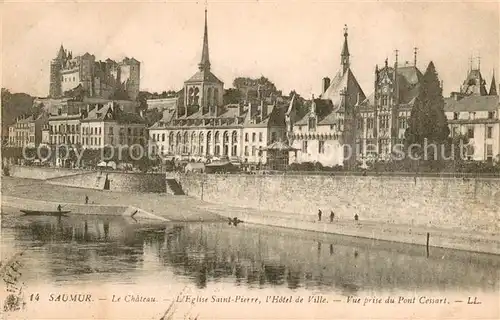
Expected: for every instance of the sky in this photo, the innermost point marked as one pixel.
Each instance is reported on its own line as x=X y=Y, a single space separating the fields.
x=293 y=43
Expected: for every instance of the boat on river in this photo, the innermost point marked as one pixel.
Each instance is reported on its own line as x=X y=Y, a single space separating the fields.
x=44 y=213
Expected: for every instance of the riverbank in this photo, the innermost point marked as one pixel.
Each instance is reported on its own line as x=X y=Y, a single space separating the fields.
x=177 y=209
x=186 y=209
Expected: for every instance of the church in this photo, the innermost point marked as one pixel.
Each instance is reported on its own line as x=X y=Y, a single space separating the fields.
x=200 y=127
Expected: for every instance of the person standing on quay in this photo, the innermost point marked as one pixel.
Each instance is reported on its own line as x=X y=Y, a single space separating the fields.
x=332 y=216
x=319 y=215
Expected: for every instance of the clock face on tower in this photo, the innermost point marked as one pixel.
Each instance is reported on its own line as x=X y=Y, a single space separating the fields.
x=385 y=89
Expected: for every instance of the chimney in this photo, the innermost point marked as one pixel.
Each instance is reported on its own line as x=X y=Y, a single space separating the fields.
x=326 y=83
x=263 y=110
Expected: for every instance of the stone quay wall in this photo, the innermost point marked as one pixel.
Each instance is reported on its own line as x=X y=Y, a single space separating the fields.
x=451 y=203
x=118 y=181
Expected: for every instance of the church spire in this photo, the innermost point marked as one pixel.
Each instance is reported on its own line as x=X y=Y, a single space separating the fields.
x=493 y=86
x=205 y=59
x=345 y=52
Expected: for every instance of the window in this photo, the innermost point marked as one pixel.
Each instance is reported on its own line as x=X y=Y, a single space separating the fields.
x=99 y=130
x=369 y=123
x=491 y=114
x=384 y=100
x=253 y=137
x=470 y=132
x=312 y=124
x=162 y=137
x=246 y=150
x=246 y=137
x=273 y=136
x=360 y=124
x=489 y=150
x=489 y=132
x=304 y=146
x=260 y=136
x=321 y=147
x=253 y=151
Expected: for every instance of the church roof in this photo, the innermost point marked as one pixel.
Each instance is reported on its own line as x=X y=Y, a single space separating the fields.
x=474 y=83
x=204 y=76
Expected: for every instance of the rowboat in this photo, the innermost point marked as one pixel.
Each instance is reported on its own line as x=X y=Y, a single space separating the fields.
x=44 y=213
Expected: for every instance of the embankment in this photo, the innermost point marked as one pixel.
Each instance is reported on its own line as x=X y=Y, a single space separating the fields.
x=81 y=209
x=448 y=203
x=108 y=180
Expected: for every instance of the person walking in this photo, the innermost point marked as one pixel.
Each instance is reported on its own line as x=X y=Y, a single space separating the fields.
x=59 y=208
x=356 y=217
x=332 y=216
x=86 y=199
x=319 y=215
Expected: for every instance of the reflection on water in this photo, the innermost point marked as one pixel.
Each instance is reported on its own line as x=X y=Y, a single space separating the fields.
x=115 y=250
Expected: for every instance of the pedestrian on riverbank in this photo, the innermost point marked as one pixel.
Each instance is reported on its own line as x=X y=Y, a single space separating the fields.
x=356 y=217
x=319 y=215
x=332 y=216
x=86 y=199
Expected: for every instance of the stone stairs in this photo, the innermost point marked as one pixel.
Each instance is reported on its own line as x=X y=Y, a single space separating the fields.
x=174 y=188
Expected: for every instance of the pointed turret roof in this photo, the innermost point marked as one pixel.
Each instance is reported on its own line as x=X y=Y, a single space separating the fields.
x=493 y=86
x=345 y=47
x=62 y=53
x=205 y=58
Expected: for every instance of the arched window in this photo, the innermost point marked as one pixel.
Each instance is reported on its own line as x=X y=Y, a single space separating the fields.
x=215 y=96
x=209 y=142
x=209 y=98
x=201 y=138
x=217 y=137
x=226 y=137
x=196 y=97
x=178 y=139
x=234 y=138
x=191 y=96
x=234 y=150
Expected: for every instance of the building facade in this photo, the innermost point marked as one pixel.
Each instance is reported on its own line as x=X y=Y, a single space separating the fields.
x=474 y=112
x=202 y=127
x=109 y=126
x=27 y=131
x=86 y=76
x=326 y=134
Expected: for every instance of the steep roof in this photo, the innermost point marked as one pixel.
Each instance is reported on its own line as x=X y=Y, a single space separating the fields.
x=204 y=76
x=472 y=103
x=493 y=86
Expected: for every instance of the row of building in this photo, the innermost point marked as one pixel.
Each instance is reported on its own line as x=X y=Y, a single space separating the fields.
x=197 y=125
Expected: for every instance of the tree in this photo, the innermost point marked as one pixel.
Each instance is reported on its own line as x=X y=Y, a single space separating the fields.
x=427 y=120
x=232 y=96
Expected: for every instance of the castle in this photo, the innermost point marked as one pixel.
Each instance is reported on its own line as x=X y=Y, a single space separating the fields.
x=84 y=76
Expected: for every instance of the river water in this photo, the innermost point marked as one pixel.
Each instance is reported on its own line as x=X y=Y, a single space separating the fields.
x=110 y=258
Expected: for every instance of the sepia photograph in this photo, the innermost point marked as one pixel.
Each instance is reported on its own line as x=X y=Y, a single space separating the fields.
x=261 y=159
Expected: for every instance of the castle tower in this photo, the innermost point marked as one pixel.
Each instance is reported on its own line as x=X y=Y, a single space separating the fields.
x=56 y=65
x=344 y=56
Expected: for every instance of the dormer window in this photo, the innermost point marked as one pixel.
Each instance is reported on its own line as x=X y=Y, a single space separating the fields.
x=312 y=124
x=455 y=115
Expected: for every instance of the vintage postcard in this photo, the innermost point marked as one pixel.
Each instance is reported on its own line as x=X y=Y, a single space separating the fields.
x=250 y=160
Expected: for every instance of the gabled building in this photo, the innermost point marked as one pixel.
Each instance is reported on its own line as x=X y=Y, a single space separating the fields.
x=326 y=134
x=475 y=113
